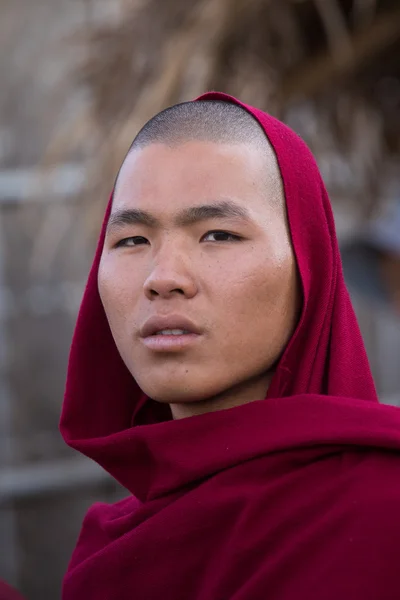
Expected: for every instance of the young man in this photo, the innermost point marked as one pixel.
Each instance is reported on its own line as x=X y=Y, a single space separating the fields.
x=218 y=373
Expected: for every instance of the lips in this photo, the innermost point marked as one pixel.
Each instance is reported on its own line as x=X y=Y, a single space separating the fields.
x=156 y=324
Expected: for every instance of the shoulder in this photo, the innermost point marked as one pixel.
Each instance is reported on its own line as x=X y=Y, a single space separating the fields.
x=376 y=473
x=8 y=593
x=372 y=488
x=102 y=511
x=102 y=524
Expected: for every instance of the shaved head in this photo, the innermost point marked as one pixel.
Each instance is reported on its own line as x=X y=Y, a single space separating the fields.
x=212 y=121
x=203 y=120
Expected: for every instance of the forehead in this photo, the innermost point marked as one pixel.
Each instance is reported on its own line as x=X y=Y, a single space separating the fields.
x=172 y=177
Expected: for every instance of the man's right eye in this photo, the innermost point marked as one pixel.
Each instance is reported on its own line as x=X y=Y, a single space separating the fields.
x=130 y=242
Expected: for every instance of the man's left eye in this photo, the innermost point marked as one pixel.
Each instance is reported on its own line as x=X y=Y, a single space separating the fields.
x=221 y=236
x=136 y=240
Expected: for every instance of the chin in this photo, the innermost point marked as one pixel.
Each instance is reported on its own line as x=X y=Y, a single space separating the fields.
x=175 y=396
x=176 y=392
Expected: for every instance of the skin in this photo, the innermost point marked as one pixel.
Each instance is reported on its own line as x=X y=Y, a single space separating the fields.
x=241 y=292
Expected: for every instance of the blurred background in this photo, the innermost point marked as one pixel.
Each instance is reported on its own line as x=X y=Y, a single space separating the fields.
x=78 y=79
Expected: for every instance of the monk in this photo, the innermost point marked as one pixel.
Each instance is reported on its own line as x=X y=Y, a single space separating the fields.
x=218 y=373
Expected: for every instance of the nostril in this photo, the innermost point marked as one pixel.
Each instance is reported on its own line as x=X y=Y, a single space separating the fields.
x=154 y=292
x=163 y=286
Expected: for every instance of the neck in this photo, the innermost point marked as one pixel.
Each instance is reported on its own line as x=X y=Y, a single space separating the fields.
x=250 y=391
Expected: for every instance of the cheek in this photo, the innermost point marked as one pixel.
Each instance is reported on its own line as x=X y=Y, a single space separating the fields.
x=276 y=293
x=117 y=292
x=261 y=301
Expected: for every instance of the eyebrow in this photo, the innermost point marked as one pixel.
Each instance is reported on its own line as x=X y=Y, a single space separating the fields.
x=188 y=216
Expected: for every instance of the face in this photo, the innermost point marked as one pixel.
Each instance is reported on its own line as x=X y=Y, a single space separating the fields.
x=198 y=248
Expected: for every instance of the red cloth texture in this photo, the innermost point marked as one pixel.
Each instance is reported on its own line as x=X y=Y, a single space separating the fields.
x=292 y=497
x=8 y=593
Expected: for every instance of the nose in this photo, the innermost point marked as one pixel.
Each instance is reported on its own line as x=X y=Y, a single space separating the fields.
x=170 y=277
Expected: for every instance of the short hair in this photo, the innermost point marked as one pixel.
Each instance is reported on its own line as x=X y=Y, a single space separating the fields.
x=214 y=121
x=203 y=120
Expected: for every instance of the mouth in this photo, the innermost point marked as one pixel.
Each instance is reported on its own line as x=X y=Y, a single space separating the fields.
x=169 y=333
x=172 y=332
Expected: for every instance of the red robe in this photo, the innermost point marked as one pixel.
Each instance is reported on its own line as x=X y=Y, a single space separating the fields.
x=292 y=497
x=8 y=593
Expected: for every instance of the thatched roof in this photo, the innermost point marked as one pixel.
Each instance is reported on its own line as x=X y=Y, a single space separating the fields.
x=329 y=67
